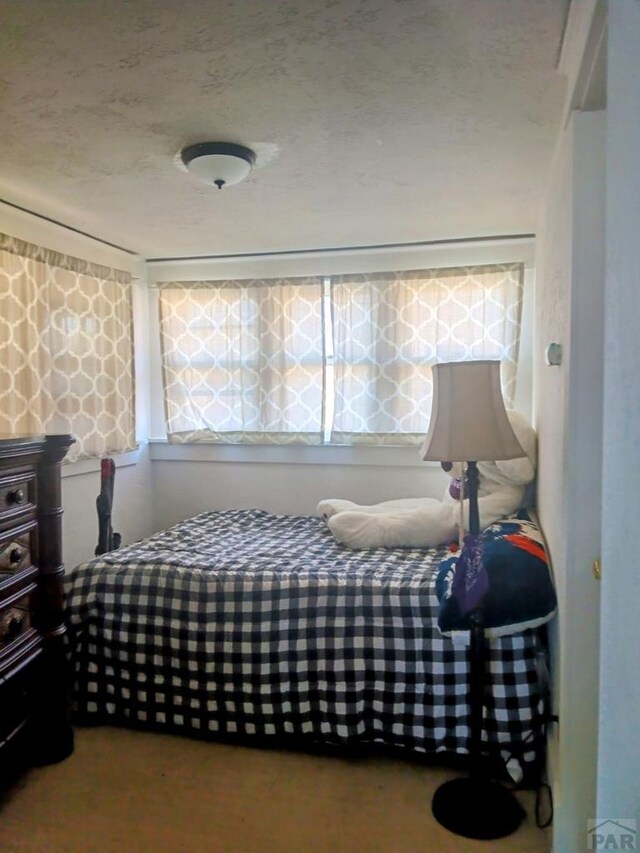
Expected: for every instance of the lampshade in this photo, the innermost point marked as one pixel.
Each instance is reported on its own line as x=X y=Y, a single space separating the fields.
x=219 y=163
x=469 y=421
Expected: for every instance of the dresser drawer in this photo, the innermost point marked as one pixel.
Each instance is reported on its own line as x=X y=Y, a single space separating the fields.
x=15 y=555
x=15 y=622
x=17 y=494
x=17 y=697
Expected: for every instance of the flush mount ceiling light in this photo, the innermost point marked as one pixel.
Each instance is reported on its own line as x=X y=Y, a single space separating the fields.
x=219 y=163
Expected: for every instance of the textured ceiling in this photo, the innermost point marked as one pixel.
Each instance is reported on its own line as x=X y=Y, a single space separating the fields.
x=374 y=121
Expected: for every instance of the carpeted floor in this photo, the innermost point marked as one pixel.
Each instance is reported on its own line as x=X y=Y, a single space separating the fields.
x=131 y=792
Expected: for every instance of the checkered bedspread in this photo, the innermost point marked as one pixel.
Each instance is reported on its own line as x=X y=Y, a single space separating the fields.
x=244 y=622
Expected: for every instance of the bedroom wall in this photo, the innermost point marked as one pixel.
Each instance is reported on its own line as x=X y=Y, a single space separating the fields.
x=184 y=487
x=553 y=272
x=191 y=479
x=81 y=480
x=619 y=742
x=568 y=416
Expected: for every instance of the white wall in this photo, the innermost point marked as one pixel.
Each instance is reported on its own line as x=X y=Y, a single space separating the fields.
x=81 y=480
x=293 y=479
x=132 y=505
x=553 y=277
x=584 y=474
x=568 y=404
x=553 y=287
x=619 y=742
x=292 y=487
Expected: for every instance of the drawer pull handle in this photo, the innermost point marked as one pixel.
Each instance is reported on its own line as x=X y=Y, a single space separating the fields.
x=15 y=555
x=14 y=628
x=17 y=496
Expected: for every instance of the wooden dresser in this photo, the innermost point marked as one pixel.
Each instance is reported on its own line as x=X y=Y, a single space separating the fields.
x=34 y=721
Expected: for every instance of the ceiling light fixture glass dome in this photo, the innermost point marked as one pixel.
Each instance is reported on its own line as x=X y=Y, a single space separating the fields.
x=219 y=163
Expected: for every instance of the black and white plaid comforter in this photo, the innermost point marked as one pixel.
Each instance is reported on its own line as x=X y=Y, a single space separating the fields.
x=243 y=622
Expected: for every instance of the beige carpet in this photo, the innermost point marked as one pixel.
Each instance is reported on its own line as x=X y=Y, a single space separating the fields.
x=132 y=792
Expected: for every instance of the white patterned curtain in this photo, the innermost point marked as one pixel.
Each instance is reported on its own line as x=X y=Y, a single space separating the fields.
x=66 y=349
x=243 y=361
x=390 y=328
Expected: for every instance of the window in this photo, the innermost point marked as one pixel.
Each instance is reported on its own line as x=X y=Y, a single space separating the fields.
x=66 y=349
x=243 y=361
x=389 y=329
x=345 y=359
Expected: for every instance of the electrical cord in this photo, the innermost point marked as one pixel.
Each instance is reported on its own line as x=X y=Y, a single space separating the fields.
x=543 y=817
x=544 y=786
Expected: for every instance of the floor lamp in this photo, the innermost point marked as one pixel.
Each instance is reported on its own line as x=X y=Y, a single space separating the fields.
x=469 y=424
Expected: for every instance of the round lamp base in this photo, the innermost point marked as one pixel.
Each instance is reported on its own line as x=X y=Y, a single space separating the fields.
x=477 y=808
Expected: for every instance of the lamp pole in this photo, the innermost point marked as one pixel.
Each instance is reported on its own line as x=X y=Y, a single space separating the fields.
x=469 y=421
x=475 y=806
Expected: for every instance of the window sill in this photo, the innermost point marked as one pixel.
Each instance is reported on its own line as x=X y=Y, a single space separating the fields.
x=292 y=454
x=91 y=466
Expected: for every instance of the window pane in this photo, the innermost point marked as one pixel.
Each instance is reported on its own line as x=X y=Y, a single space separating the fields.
x=243 y=361
x=390 y=328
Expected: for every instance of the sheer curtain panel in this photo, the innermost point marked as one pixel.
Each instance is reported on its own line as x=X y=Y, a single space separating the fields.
x=243 y=361
x=390 y=328
x=66 y=349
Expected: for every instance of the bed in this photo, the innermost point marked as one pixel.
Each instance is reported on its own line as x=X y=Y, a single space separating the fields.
x=241 y=623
